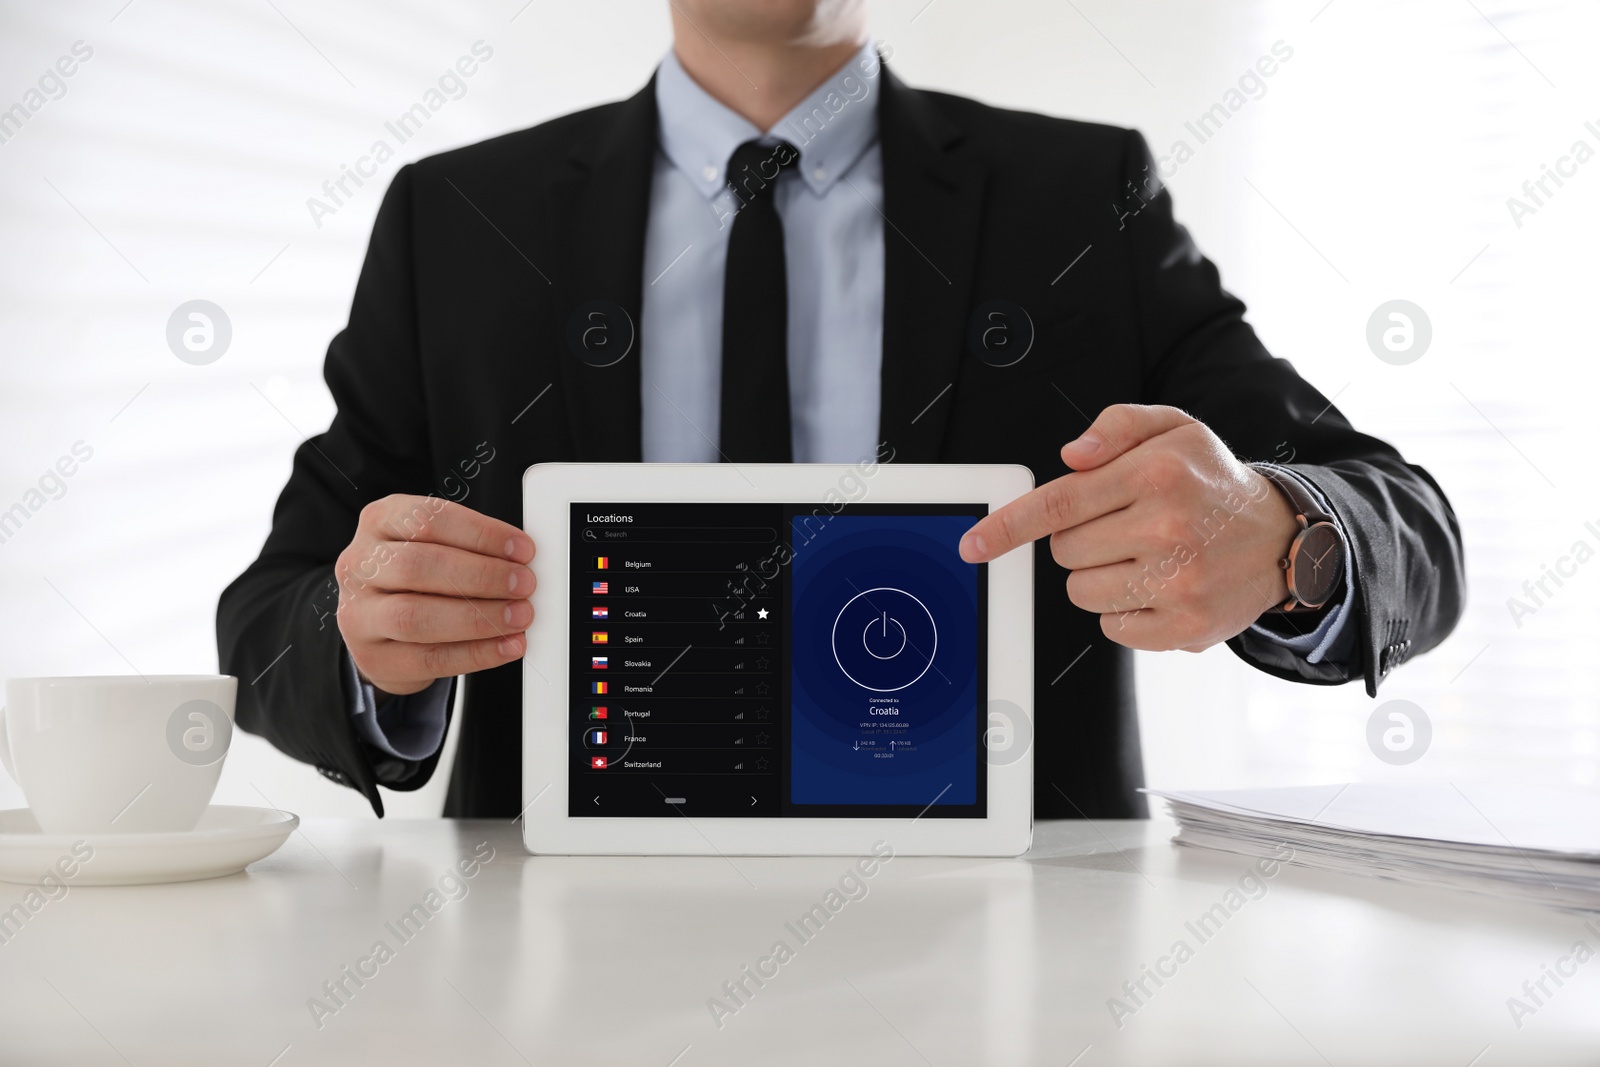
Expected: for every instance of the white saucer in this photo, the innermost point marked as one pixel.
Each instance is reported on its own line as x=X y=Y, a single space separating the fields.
x=227 y=840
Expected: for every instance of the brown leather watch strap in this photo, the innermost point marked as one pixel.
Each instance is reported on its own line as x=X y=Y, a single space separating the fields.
x=1305 y=505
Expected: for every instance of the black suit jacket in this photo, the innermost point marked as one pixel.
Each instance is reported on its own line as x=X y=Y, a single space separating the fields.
x=480 y=256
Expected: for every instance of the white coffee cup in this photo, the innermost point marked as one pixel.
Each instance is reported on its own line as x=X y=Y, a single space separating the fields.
x=117 y=754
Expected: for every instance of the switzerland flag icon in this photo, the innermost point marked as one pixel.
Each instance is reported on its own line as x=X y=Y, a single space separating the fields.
x=597 y=763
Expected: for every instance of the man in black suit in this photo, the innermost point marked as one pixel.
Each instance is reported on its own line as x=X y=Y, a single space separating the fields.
x=890 y=252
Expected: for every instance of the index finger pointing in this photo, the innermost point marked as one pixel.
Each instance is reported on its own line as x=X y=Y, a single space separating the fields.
x=1062 y=504
x=444 y=522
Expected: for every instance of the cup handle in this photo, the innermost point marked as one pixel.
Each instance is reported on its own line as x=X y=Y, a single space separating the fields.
x=5 y=748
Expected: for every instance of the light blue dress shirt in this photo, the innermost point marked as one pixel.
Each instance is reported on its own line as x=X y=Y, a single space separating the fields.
x=833 y=252
x=830 y=204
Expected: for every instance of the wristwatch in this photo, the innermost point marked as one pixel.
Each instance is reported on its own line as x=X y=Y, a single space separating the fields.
x=1315 y=561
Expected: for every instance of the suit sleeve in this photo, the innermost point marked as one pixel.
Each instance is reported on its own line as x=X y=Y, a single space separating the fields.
x=277 y=628
x=1198 y=354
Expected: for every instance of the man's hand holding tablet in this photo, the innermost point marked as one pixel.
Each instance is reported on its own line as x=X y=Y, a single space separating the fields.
x=429 y=588
x=1169 y=537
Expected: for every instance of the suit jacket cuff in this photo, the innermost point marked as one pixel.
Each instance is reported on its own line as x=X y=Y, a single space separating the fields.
x=409 y=727
x=401 y=732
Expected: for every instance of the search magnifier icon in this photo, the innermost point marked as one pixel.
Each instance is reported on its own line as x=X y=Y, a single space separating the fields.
x=589 y=535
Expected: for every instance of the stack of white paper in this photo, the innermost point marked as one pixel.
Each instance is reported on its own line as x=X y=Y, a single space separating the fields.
x=1512 y=842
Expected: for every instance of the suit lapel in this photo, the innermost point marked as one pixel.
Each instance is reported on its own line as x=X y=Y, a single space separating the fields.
x=606 y=202
x=933 y=204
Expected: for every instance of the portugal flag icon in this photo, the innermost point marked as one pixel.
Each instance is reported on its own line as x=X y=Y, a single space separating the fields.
x=599 y=711
x=597 y=763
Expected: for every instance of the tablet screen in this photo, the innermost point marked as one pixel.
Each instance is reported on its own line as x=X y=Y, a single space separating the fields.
x=772 y=660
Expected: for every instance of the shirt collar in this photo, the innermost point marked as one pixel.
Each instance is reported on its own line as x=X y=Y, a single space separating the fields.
x=832 y=127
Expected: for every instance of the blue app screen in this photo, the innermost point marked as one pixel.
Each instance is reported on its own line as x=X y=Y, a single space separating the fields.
x=884 y=666
x=776 y=659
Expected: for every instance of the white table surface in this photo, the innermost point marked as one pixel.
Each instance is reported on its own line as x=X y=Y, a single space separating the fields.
x=612 y=960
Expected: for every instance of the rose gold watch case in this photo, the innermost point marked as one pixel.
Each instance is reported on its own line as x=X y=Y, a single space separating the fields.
x=1290 y=563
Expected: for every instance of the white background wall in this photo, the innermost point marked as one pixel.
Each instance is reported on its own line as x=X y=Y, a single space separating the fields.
x=1377 y=164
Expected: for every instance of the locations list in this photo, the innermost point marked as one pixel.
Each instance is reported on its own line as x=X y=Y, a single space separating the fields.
x=677 y=671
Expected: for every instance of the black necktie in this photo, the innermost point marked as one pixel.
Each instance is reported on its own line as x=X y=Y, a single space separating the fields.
x=755 y=312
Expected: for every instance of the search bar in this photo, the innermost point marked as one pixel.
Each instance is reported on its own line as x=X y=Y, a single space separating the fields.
x=755 y=535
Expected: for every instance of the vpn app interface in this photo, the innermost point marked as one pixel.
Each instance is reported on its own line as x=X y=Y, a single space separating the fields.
x=776 y=660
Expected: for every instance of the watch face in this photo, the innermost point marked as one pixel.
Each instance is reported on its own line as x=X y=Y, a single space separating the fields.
x=1317 y=564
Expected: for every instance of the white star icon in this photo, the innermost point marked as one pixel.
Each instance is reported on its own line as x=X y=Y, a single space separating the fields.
x=761 y=613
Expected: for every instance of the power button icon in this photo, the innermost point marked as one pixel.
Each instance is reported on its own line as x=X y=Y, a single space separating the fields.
x=884 y=639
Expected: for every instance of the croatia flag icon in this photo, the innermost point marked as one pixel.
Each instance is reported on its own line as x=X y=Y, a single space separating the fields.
x=598 y=662
x=597 y=763
x=601 y=588
x=599 y=711
x=599 y=688
x=599 y=637
x=602 y=563
x=599 y=612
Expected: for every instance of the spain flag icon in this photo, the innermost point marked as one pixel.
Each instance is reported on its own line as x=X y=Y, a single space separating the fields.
x=599 y=637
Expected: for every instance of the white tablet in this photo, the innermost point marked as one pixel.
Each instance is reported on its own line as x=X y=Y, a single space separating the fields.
x=774 y=659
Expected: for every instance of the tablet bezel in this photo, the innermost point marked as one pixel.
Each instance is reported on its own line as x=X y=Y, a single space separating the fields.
x=549 y=490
